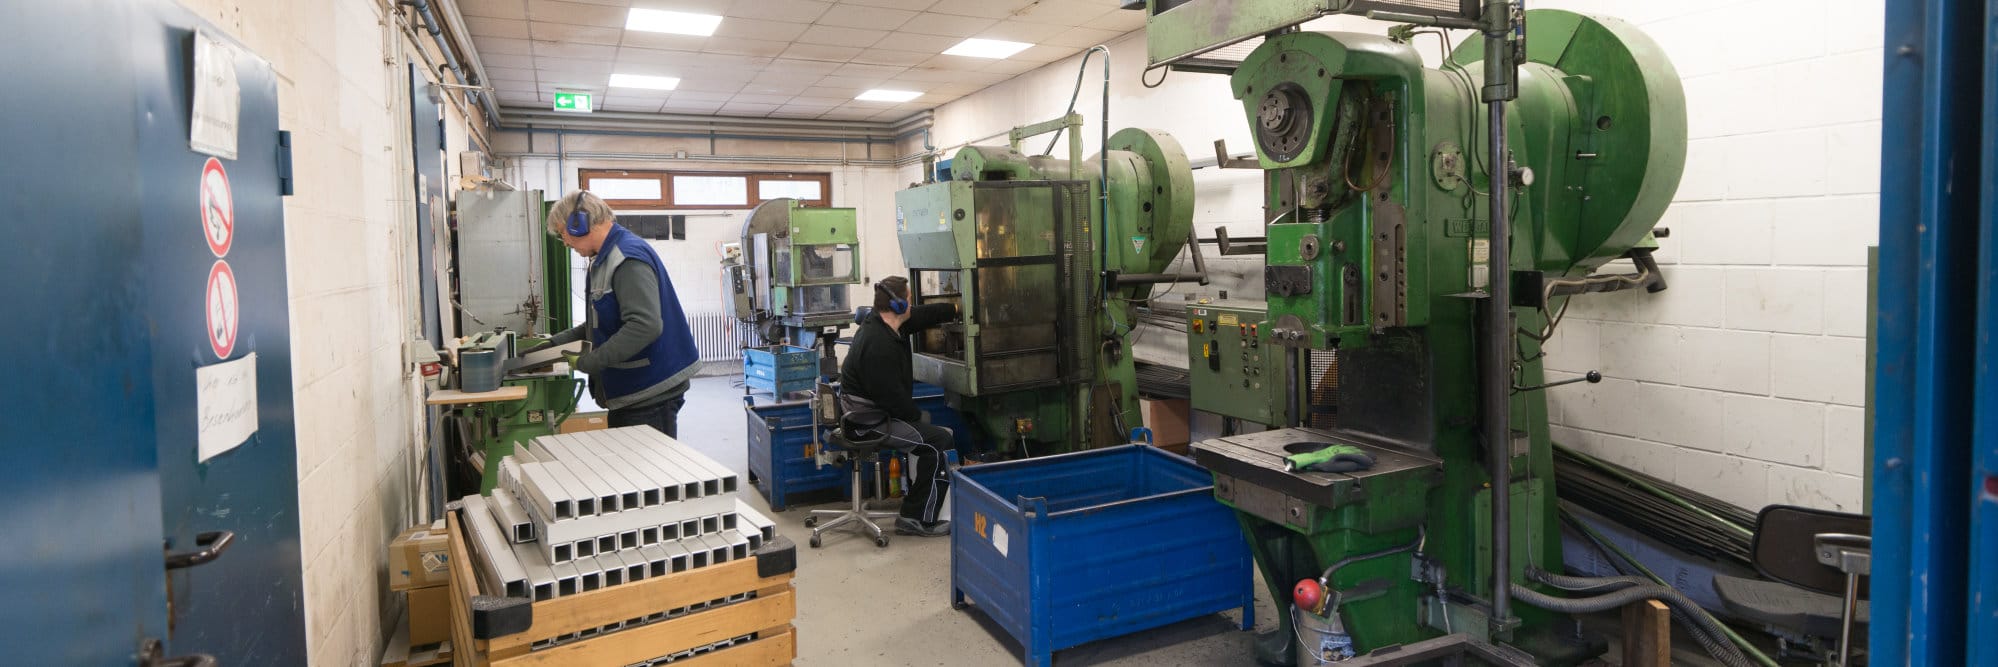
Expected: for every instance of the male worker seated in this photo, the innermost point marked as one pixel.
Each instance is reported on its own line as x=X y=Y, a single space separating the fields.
x=641 y=355
x=877 y=392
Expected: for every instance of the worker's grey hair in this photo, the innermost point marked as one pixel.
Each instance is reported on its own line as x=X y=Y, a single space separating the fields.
x=600 y=212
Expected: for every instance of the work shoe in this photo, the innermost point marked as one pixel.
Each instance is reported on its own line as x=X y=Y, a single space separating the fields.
x=908 y=526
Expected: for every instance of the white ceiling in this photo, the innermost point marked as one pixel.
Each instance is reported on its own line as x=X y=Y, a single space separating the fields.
x=776 y=58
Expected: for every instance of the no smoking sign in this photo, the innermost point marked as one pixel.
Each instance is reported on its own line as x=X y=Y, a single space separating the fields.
x=218 y=208
x=223 y=316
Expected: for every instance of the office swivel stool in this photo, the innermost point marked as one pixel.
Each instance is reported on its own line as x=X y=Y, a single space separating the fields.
x=858 y=451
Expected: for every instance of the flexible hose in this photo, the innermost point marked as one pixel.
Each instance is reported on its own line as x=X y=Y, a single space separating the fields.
x=1709 y=638
x=1618 y=599
x=1604 y=544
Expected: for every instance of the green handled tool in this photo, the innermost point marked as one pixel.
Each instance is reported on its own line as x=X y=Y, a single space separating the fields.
x=1333 y=458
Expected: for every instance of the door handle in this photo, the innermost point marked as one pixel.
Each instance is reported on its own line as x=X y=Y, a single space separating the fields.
x=149 y=656
x=210 y=546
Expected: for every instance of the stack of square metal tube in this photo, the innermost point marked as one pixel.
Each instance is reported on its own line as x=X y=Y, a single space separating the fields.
x=581 y=511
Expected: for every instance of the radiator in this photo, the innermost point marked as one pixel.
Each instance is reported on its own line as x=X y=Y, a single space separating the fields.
x=718 y=335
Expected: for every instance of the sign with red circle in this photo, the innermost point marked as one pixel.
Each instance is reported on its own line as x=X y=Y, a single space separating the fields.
x=223 y=315
x=218 y=208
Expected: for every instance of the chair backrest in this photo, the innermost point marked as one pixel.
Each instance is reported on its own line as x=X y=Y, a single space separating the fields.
x=1784 y=548
x=826 y=402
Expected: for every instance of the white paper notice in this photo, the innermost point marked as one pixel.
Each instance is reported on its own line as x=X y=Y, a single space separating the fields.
x=225 y=404
x=999 y=539
x=217 y=98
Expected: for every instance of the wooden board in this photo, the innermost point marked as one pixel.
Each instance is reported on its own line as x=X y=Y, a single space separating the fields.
x=1647 y=634
x=463 y=587
x=605 y=606
x=455 y=397
x=763 y=614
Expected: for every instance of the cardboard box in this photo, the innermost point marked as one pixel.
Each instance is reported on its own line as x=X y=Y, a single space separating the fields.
x=420 y=557
x=1168 y=420
x=429 y=615
x=585 y=421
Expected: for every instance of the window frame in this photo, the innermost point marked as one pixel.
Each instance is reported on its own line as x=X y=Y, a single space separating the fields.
x=753 y=181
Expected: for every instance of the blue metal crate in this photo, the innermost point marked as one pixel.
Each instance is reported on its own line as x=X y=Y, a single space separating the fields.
x=1069 y=549
x=780 y=440
x=780 y=369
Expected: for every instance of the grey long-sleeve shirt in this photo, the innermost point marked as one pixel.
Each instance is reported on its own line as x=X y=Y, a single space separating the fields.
x=638 y=308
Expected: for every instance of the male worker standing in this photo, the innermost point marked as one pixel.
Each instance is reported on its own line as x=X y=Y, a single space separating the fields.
x=641 y=355
x=877 y=391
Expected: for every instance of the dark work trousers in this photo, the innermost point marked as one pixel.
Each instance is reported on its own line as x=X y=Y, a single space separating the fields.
x=664 y=416
x=930 y=482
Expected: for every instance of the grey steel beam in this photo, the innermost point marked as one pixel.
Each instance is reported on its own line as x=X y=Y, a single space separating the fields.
x=492 y=553
x=540 y=576
x=511 y=517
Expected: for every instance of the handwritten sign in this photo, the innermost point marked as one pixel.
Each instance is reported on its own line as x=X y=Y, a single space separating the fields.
x=225 y=404
x=217 y=98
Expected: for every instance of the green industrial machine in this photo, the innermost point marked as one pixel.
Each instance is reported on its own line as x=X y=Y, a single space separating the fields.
x=1046 y=259
x=1234 y=372
x=1425 y=229
x=790 y=281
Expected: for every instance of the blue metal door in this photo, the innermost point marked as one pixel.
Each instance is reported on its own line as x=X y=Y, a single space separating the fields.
x=247 y=607
x=84 y=572
x=426 y=124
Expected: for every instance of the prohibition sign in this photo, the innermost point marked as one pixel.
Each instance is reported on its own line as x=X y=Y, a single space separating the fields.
x=222 y=313
x=218 y=208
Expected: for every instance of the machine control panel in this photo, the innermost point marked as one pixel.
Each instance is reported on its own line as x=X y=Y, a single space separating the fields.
x=1233 y=369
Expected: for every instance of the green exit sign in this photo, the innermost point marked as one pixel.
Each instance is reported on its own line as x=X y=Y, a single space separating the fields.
x=577 y=102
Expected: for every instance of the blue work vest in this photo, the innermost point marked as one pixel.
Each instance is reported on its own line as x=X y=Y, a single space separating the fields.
x=670 y=354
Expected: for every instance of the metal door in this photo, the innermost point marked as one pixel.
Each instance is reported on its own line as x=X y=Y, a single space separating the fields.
x=247 y=607
x=427 y=149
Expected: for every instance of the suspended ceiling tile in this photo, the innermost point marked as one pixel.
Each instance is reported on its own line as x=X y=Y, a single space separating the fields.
x=746 y=47
x=1010 y=67
x=723 y=63
x=710 y=7
x=1082 y=38
x=903 y=40
x=633 y=105
x=750 y=98
x=690 y=106
x=947 y=25
x=876 y=72
x=577 y=65
x=1120 y=21
x=860 y=16
x=1022 y=31
x=827 y=102
x=582 y=34
x=933 y=74
x=629 y=57
x=612 y=3
x=573 y=50
x=485 y=27
x=502 y=46
x=498 y=9
x=992 y=9
x=519 y=98
x=831 y=92
x=849 y=114
x=742 y=109
x=777 y=76
x=524 y=87
x=699 y=96
x=710 y=85
x=1041 y=55
x=507 y=60
x=802 y=67
x=576 y=13
x=741 y=28
x=860 y=82
x=835 y=36
x=821 y=52
x=1066 y=12
x=783 y=90
x=794 y=11
x=903 y=59
x=911 y=5
x=546 y=89
x=509 y=74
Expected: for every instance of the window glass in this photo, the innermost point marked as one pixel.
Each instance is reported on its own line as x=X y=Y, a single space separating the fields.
x=801 y=190
x=710 y=191
x=626 y=188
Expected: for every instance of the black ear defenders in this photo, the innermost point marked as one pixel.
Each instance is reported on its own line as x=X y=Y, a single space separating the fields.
x=579 y=223
x=896 y=304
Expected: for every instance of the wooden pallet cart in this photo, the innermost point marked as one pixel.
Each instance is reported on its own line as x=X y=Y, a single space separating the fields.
x=733 y=613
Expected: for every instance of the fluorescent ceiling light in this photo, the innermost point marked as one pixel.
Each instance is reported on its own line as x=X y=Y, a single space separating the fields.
x=643 y=81
x=986 y=48
x=678 y=23
x=879 y=95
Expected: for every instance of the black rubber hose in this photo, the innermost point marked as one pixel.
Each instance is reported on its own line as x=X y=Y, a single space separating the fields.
x=1704 y=630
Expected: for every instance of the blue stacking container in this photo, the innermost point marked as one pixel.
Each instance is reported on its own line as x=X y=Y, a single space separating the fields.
x=780 y=437
x=1065 y=550
x=780 y=369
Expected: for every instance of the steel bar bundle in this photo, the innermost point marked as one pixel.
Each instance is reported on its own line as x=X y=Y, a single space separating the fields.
x=1679 y=517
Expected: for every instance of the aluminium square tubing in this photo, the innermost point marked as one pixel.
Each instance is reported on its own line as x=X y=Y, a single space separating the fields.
x=630 y=489
x=697 y=480
x=491 y=551
x=764 y=529
x=541 y=578
x=609 y=494
x=659 y=485
x=511 y=517
x=723 y=478
x=684 y=484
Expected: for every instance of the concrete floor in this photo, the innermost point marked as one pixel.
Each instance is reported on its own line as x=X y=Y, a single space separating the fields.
x=863 y=605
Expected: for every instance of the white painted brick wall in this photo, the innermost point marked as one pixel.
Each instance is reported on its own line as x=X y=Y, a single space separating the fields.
x=1752 y=389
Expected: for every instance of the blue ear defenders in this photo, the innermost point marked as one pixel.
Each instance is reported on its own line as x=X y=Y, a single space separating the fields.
x=896 y=304
x=579 y=223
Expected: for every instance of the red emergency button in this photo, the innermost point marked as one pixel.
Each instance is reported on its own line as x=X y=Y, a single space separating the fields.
x=1198 y=326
